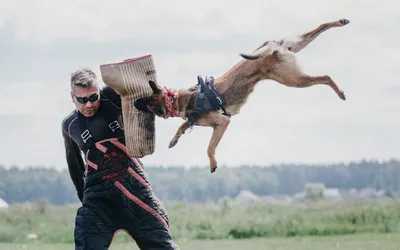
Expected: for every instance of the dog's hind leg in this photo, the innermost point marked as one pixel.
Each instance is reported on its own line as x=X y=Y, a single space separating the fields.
x=307 y=81
x=288 y=73
x=297 y=43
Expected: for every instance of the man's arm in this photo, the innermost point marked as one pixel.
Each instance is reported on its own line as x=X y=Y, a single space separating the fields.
x=75 y=163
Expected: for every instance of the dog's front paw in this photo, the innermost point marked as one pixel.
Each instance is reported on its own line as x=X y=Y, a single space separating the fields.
x=173 y=142
x=344 y=21
x=213 y=165
x=213 y=168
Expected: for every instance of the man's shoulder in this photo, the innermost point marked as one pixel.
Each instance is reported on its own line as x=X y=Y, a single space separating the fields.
x=107 y=90
x=68 y=120
x=109 y=94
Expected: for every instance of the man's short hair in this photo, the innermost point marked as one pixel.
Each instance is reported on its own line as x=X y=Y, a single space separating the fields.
x=84 y=77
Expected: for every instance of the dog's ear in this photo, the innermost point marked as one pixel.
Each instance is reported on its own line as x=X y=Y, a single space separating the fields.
x=141 y=105
x=154 y=86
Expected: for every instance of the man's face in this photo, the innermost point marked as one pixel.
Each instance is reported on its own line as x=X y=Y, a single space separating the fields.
x=86 y=100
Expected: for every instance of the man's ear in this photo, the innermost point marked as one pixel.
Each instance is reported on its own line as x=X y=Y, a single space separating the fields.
x=154 y=86
x=141 y=105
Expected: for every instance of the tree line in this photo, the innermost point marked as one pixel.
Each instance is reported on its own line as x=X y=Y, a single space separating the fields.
x=199 y=185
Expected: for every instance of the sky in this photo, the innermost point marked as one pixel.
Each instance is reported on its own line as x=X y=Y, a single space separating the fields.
x=43 y=41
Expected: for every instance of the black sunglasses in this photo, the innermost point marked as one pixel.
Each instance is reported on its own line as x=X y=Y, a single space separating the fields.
x=84 y=100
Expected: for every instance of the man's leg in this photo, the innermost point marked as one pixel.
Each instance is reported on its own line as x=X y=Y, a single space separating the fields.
x=93 y=231
x=156 y=240
x=143 y=216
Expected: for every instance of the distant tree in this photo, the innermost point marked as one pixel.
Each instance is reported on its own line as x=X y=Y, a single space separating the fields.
x=198 y=185
x=314 y=191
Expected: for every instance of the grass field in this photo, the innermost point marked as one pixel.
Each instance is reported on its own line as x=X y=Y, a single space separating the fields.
x=347 y=242
x=363 y=225
x=55 y=224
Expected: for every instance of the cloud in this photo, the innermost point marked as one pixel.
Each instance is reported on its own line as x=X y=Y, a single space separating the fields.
x=100 y=21
x=33 y=99
x=40 y=48
x=31 y=140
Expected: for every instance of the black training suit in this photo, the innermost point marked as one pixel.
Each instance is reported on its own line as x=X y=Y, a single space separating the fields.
x=112 y=186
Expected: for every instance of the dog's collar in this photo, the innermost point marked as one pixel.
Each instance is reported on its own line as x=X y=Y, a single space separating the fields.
x=169 y=101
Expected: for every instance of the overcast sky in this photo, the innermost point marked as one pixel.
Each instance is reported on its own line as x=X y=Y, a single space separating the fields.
x=43 y=41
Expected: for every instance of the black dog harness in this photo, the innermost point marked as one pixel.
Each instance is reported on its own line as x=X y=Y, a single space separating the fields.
x=207 y=99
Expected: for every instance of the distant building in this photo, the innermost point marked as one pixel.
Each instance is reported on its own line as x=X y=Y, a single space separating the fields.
x=332 y=193
x=246 y=197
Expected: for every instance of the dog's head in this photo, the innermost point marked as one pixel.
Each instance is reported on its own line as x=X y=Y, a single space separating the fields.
x=155 y=103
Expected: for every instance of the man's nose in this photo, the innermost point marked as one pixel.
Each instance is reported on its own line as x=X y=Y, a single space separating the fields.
x=89 y=104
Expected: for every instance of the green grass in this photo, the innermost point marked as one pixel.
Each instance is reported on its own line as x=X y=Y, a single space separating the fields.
x=348 y=242
x=224 y=221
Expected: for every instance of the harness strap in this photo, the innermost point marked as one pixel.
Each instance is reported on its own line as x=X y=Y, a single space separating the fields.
x=208 y=98
x=215 y=98
x=199 y=102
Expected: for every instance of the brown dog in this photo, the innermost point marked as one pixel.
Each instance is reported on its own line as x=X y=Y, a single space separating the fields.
x=273 y=60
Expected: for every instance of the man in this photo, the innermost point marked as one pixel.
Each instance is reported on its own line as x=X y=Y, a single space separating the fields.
x=112 y=186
